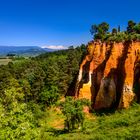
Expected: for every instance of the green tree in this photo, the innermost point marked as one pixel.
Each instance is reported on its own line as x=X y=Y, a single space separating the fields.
x=16 y=120
x=35 y=76
x=56 y=72
x=137 y=28
x=114 y=31
x=94 y=29
x=99 y=31
x=130 y=27
x=119 y=28
x=73 y=111
x=49 y=96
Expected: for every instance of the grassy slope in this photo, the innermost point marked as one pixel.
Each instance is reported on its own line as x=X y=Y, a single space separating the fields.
x=123 y=124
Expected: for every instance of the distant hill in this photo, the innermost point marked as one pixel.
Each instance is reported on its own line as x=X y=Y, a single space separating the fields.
x=23 y=50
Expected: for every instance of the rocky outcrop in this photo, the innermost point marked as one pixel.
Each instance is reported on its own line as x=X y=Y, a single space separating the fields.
x=109 y=75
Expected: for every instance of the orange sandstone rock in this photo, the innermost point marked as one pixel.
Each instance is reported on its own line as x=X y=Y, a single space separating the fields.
x=96 y=54
x=106 y=75
x=127 y=94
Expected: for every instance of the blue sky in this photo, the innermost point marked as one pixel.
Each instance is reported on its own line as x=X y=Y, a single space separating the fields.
x=60 y=22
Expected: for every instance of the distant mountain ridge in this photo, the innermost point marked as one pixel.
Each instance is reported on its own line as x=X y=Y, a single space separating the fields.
x=23 y=50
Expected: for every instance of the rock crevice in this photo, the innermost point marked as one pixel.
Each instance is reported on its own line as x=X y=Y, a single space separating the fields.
x=109 y=75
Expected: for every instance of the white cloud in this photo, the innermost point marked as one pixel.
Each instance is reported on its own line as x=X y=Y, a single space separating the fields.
x=59 y=47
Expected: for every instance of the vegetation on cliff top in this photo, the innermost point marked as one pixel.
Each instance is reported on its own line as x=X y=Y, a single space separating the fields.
x=101 y=32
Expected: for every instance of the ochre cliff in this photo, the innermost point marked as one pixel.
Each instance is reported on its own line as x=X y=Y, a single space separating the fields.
x=109 y=75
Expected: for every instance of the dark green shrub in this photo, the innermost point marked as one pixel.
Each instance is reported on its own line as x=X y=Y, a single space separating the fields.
x=73 y=111
x=49 y=96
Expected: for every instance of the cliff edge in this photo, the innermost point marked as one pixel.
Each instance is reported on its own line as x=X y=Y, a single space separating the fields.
x=109 y=74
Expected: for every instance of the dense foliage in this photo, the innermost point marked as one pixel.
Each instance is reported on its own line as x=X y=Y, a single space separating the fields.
x=28 y=86
x=73 y=111
x=101 y=32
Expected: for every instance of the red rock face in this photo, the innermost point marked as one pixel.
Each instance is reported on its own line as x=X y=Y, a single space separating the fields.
x=106 y=75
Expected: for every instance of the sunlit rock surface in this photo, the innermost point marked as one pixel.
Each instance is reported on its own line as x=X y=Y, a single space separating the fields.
x=109 y=75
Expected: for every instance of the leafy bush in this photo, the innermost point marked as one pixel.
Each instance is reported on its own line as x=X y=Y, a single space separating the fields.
x=73 y=111
x=16 y=120
x=49 y=96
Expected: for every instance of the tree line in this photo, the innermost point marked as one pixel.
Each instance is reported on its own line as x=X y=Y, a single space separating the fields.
x=101 y=32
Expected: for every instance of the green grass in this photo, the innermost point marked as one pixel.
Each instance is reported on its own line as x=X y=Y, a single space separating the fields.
x=5 y=61
x=121 y=125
